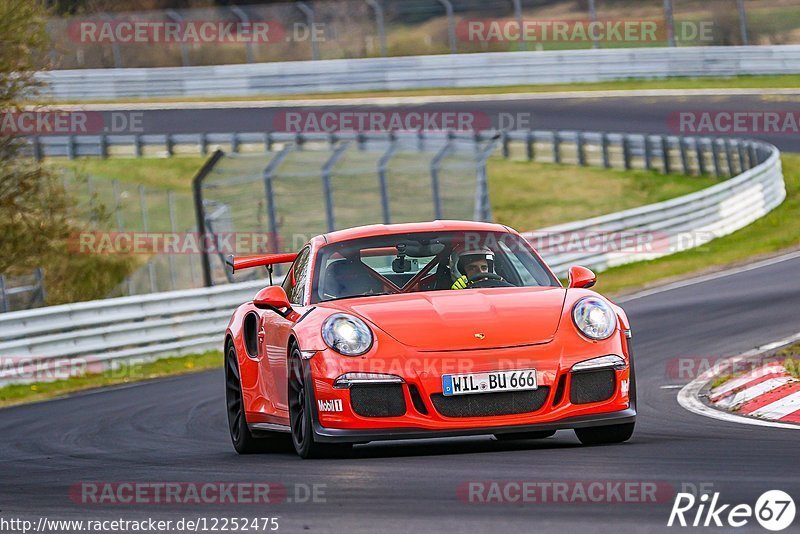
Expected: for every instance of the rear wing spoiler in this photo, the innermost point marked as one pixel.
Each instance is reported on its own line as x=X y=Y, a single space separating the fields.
x=260 y=260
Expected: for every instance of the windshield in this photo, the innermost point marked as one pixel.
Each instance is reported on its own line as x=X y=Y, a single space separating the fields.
x=406 y=263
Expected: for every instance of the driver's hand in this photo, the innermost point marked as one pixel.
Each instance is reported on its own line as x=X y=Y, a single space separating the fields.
x=461 y=283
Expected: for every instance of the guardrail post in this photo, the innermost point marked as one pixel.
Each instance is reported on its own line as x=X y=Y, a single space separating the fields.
x=701 y=161
x=3 y=296
x=729 y=157
x=581 y=149
x=137 y=145
x=529 y=145
x=200 y=215
x=268 y=141
x=204 y=144
x=753 y=151
x=556 y=147
x=435 y=163
x=648 y=152
x=383 y=163
x=741 y=153
x=684 y=156
x=235 y=142
x=717 y=162
x=326 y=184
x=505 y=141
x=665 y=154
x=71 y=147
x=378 y=9
x=308 y=11
x=103 y=146
x=451 y=25
x=170 y=145
x=626 y=151
x=605 y=149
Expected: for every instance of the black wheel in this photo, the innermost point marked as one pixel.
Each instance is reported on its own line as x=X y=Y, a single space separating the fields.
x=601 y=435
x=524 y=435
x=243 y=440
x=300 y=415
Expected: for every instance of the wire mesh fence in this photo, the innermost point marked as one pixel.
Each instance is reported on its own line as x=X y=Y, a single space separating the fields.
x=333 y=29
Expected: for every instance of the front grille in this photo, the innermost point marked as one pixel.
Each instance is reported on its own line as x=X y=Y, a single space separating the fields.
x=486 y=404
x=378 y=400
x=592 y=386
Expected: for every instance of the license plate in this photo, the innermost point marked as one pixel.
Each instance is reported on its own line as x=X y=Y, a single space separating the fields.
x=490 y=382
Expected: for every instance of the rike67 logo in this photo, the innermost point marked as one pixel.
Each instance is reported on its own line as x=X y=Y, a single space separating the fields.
x=774 y=510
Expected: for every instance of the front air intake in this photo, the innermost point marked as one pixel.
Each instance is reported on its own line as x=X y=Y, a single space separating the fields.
x=592 y=386
x=378 y=400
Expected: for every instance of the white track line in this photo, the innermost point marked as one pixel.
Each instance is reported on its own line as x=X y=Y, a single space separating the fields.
x=417 y=100
x=780 y=408
x=689 y=398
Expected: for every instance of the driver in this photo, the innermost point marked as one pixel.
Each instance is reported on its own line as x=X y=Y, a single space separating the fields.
x=471 y=263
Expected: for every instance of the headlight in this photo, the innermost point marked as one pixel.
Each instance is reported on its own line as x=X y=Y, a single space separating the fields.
x=594 y=318
x=346 y=334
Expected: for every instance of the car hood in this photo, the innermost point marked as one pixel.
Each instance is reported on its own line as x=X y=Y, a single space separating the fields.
x=466 y=319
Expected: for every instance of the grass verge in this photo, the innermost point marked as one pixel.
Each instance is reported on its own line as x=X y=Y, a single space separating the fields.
x=22 y=393
x=737 y=82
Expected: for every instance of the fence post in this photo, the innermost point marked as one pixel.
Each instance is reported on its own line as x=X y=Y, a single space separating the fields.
x=173 y=277
x=204 y=144
x=593 y=17
x=529 y=145
x=606 y=155
x=435 y=164
x=383 y=163
x=117 y=212
x=170 y=145
x=269 y=173
x=308 y=11
x=137 y=145
x=648 y=152
x=114 y=44
x=176 y=17
x=518 y=16
x=3 y=296
x=103 y=146
x=326 y=183
x=378 y=8
x=71 y=147
x=626 y=151
x=451 y=25
x=670 y=22
x=504 y=140
x=38 y=153
x=199 y=210
x=38 y=274
x=581 y=149
x=665 y=154
x=242 y=16
x=151 y=268
x=235 y=142
x=743 y=23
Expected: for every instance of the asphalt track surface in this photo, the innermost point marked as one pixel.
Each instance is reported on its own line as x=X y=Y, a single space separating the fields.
x=639 y=114
x=175 y=430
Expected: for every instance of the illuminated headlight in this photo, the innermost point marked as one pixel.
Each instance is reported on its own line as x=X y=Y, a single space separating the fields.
x=612 y=361
x=594 y=318
x=346 y=334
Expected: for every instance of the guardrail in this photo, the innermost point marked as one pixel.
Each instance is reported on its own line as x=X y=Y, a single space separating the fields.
x=107 y=332
x=421 y=72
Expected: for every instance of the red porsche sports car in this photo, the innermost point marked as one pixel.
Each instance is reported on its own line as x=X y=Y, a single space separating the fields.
x=424 y=330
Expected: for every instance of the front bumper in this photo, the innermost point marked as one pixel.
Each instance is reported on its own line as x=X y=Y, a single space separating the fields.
x=555 y=413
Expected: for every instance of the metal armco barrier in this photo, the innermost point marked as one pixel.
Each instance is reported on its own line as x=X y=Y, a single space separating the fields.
x=101 y=334
x=421 y=72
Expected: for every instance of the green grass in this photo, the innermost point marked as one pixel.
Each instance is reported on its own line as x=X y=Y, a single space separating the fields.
x=20 y=393
x=779 y=230
x=740 y=82
x=792 y=361
x=163 y=173
x=529 y=196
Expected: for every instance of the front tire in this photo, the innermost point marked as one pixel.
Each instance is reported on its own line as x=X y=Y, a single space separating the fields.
x=243 y=440
x=300 y=415
x=602 y=435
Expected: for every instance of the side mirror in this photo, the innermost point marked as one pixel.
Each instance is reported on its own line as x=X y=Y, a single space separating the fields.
x=272 y=297
x=581 y=277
